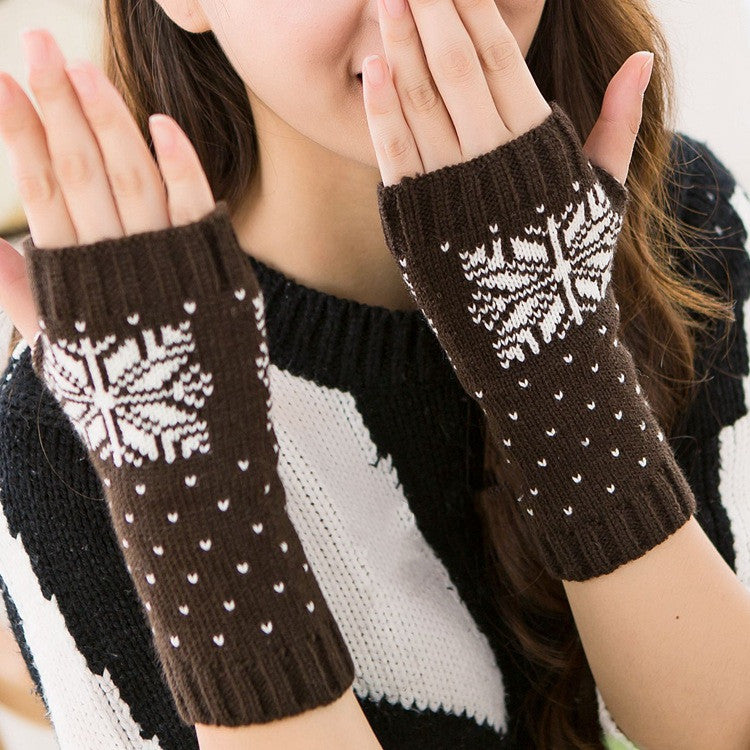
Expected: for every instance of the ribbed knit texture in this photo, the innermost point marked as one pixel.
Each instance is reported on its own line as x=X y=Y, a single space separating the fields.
x=155 y=347
x=381 y=458
x=509 y=255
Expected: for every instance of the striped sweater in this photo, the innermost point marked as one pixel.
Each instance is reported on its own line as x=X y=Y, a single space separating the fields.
x=380 y=456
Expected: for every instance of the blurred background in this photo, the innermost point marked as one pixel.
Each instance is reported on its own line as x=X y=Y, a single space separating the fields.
x=711 y=46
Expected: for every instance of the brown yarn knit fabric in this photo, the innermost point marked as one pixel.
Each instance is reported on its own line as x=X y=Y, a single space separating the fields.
x=155 y=346
x=509 y=256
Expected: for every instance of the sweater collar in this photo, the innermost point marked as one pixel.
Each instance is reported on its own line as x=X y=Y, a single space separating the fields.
x=345 y=344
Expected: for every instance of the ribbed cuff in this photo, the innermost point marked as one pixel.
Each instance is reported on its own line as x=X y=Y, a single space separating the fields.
x=113 y=277
x=282 y=682
x=506 y=185
x=654 y=511
x=599 y=484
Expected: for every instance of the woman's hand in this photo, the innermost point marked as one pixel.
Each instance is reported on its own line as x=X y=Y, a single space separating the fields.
x=83 y=169
x=459 y=86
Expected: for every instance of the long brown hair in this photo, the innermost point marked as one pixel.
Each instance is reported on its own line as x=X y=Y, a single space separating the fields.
x=577 y=49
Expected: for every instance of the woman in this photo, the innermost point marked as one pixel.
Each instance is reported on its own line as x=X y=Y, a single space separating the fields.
x=432 y=664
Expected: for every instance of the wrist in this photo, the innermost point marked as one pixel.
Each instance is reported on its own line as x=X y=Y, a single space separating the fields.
x=596 y=478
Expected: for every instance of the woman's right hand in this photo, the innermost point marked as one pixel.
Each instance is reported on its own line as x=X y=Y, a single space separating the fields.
x=83 y=169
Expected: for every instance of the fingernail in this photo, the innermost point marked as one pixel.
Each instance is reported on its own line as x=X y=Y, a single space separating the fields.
x=395 y=8
x=83 y=81
x=374 y=69
x=36 y=47
x=646 y=71
x=161 y=129
x=6 y=92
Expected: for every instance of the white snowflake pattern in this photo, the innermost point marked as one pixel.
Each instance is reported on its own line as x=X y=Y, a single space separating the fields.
x=559 y=269
x=131 y=401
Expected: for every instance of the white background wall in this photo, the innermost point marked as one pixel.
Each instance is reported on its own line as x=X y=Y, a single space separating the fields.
x=710 y=41
x=74 y=24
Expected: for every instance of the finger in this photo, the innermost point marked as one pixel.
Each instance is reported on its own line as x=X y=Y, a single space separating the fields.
x=456 y=69
x=41 y=198
x=15 y=292
x=189 y=195
x=421 y=103
x=513 y=88
x=133 y=176
x=75 y=155
x=612 y=139
x=395 y=147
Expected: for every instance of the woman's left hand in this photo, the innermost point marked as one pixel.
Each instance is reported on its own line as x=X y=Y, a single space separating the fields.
x=456 y=86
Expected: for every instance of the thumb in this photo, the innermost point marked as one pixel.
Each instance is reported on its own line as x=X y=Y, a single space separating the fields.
x=15 y=293
x=611 y=141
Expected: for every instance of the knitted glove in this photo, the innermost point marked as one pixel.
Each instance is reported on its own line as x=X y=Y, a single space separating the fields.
x=509 y=255
x=155 y=346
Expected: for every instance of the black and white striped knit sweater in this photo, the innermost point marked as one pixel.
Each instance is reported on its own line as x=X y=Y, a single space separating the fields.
x=380 y=455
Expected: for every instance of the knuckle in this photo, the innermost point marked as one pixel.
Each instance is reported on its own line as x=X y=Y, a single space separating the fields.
x=38 y=188
x=14 y=125
x=396 y=147
x=457 y=61
x=102 y=118
x=182 y=172
x=44 y=85
x=618 y=123
x=405 y=39
x=607 y=119
x=422 y=97
x=500 y=56
x=634 y=124
x=74 y=169
x=127 y=183
x=381 y=109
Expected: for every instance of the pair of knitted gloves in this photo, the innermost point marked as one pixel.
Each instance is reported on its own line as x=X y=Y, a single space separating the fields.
x=155 y=347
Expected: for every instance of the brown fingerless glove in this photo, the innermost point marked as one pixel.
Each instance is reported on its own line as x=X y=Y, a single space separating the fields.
x=509 y=256
x=155 y=347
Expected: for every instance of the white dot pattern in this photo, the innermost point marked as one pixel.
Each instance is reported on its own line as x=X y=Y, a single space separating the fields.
x=528 y=292
x=157 y=391
x=192 y=480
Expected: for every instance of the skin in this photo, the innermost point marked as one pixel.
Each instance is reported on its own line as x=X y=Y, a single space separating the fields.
x=321 y=169
x=326 y=143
